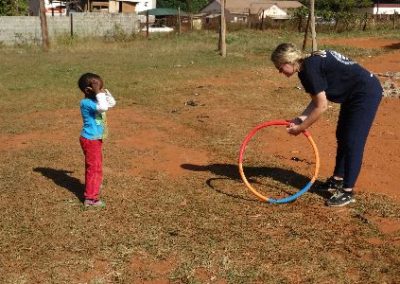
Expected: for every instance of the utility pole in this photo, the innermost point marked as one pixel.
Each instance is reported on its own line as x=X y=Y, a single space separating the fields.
x=222 y=32
x=306 y=31
x=43 y=26
x=190 y=10
x=310 y=25
x=312 y=22
x=179 y=20
x=147 y=24
x=377 y=7
x=262 y=20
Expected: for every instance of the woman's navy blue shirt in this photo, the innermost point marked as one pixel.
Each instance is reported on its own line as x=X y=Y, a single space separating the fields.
x=332 y=72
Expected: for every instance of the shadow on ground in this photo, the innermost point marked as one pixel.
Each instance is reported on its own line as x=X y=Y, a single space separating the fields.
x=231 y=172
x=393 y=46
x=63 y=179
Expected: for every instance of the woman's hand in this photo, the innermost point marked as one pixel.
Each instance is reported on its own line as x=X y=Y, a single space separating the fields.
x=294 y=129
x=296 y=121
x=314 y=110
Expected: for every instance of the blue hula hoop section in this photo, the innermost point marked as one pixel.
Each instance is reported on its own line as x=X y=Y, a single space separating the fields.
x=291 y=197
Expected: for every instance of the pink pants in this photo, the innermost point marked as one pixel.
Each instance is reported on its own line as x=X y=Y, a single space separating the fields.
x=92 y=149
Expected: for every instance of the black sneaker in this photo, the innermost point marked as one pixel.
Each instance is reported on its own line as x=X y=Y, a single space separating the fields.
x=331 y=185
x=340 y=198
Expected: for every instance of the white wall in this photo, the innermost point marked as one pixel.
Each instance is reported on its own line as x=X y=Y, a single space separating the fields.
x=145 y=5
x=386 y=10
x=141 y=5
x=274 y=11
x=26 y=29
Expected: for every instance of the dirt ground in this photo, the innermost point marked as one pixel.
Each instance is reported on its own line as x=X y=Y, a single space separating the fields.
x=382 y=156
x=155 y=151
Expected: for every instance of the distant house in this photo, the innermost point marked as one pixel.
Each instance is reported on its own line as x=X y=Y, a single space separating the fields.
x=276 y=10
x=386 y=7
x=60 y=7
x=119 y=6
x=241 y=10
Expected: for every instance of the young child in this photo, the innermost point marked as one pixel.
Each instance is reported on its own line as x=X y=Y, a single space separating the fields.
x=93 y=107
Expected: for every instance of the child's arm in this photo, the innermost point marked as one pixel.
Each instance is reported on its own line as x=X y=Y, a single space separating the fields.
x=104 y=101
x=102 y=104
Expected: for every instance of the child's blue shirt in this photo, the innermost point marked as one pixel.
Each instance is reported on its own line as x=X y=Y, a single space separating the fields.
x=93 y=121
x=337 y=75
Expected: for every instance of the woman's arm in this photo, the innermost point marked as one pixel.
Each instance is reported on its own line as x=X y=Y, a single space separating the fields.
x=317 y=106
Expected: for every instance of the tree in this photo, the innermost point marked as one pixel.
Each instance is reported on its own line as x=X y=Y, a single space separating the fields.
x=222 y=31
x=13 y=7
x=338 y=11
x=192 y=6
x=338 y=5
x=312 y=25
x=43 y=26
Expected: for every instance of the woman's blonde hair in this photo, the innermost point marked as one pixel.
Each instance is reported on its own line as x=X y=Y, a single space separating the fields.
x=287 y=53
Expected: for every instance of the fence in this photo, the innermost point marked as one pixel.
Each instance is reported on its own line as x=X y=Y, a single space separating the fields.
x=336 y=23
x=340 y=23
x=26 y=29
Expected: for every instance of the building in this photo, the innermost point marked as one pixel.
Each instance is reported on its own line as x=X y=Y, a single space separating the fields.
x=276 y=10
x=129 y=6
x=386 y=7
x=242 y=10
x=59 y=7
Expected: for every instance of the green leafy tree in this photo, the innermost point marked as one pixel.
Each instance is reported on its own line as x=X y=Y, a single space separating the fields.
x=13 y=7
x=185 y=5
x=338 y=5
x=338 y=11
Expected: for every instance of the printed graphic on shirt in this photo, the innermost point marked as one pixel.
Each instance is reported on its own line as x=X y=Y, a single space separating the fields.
x=341 y=58
x=321 y=53
x=99 y=118
x=105 y=127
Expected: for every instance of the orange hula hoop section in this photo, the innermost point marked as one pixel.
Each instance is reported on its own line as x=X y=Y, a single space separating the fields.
x=290 y=198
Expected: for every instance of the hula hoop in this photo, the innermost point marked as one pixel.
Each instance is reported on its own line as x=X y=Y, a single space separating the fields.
x=252 y=189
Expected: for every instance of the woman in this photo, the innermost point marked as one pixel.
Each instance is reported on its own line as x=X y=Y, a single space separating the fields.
x=329 y=76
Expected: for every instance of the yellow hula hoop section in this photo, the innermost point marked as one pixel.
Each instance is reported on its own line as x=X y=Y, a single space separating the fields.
x=252 y=189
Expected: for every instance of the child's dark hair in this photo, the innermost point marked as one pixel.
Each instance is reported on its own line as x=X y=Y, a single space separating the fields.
x=85 y=80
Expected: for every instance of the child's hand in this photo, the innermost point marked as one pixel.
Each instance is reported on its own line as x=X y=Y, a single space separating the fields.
x=110 y=99
x=96 y=86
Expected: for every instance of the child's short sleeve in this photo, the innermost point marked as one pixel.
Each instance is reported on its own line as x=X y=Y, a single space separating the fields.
x=88 y=105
